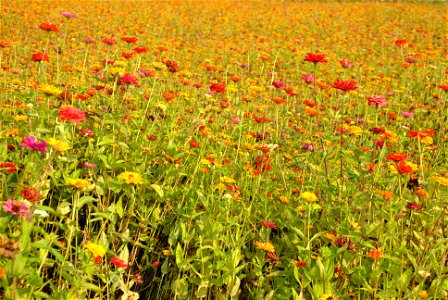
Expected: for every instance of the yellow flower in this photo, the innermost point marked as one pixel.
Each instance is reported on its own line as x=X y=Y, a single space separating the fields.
x=204 y=161
x=78 y=183
x=49 y=89
x=423 y=294
x=95 y=249
x=355 y=130
x=440 y=180
x=309 y=197
x=226 y=179
x=57 y=145
x=20 y=118
x=166 y=252
x=131 y=177
x=13 y=132
x=267 y=246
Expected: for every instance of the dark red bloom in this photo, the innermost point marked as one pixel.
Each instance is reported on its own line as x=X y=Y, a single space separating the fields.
x=218 y=88
x=86 y=132
x=10 y=167
x=48 y=27
x=345 y=85
x=40 y=56
x=301 y=264
x=156 y=264
x=131 y=40
x=315 y=58
x=127 y=79
x=109 y=42
x=140 y=50
x=269 y=225
x=31 y=194
x=119 y=263
x=413 y=206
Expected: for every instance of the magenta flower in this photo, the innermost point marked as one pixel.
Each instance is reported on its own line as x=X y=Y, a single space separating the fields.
x=309 y=78
x=68 y=15
x=407 y=114
x=278 y=84
x=15 y=208
x=235 y=120
x=30 y=143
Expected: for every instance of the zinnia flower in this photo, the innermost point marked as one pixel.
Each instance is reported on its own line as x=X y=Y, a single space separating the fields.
x=95 y=249
x=48 y=27
x=40 y=56
x=278 y=84
x=30 y=143
x=413 y=206
x=309 y=78
x=267 y=246
x=345 y=85
x=375 y=254
x=31 y=194
x=78 y=183
x=217 y=88
x=68 y=15
x=10 y=167
x=377 y=101
x=58 y=146
x=72 y=114
x=131 y=177
x=119 y=263
x=269 y=225
x=309 y=197
x=397 y=156
x=131 y=40
x=127 y=79
x=404 y=168
x=15 y=208
x=346 y=64
x=315 y=58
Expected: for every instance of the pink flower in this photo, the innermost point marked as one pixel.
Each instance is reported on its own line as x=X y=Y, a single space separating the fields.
x=413 y=206
x=88 y=165
x=15 y=208
x=235 y=120
x=30 y=143
x=407 y=114
x=278 y=84
x=346 y=64
x=109 y=41
x=309 y=78
x=377 y=101
x=68 y=15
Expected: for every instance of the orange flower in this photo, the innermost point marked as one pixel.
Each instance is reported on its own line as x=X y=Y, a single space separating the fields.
x=397 y=156
x=278 y=100
x=386 y=195
x=375 y=254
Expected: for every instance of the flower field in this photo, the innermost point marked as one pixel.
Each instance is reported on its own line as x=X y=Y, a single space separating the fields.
x=223 y=150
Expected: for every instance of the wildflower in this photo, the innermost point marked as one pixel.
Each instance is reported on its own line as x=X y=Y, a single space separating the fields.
x=329 y=297
x=404 y=168
x=68 y=15
x=309 y=78
x=267 y=246
x=109 y=42
x=30 y=143
x=97 y=259
x=138 y=278
x=88 y=165
x=156 y=264
x=117 y=262
x=278 y=84
x=345 y=85
x=315 y=58
x=95 y=249
x=15 y=208
x=31 y=194
x=167 y=252
x=40 y=56
x=309 y=197
x=269 y=225
x=400 y=42
x=58 y=146
x=10 y=167
x=386 y=195
x=217 y=88
x=127 y=79
x=72 y=114
x=441 y=180
x=131 y=40
x=301 y=264
x=235 y=120
x=131 y=177
x=423 y=294
x=129 y=295
x=346 y=64
x=88 y=41
x=78 y=183
x=407 y=114
x=48 y=27
x=397 y=156
x=375 y=254
x=139 y=50
x=413 y=206
x=86 y=132
x=377 y=101
x=2 y=272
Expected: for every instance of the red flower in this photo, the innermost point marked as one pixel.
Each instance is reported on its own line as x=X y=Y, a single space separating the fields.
x=72 y=114
x=119 y=263
x=443 y=87
x=346 y=64
x=400 y=43
x=194 y=144
x=156 y=264
x=290 y=91
x=315 y=58
x=218 y=88
x=398 y=156
x=131 y=40
x=301 y=264
x=377 y=101
x=40 y=56
x=127 y=79
x=269 y=225
x=140 y=50
x=9 y=166
x=31 y=194
x=48 y=27
x=345 y=85
x=97 y=259
x=127 y=54
x=413 y=206
x=403 y=168
x=375 y=254
x=109 y=41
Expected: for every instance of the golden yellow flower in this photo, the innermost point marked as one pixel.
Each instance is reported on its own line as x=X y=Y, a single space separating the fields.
x=131 y=177
x=95 y=249
x=20 y=118
x=78 y=183
x=167 y=252
x=13 y=132
x=440 y=180
x=267 y=246
x=49 y=89
x=226 y=179
x=57 y=145
x=309 y=197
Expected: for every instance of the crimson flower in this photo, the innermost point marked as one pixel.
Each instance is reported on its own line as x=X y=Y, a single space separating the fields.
x=119 y=263
x=131 y=40
x=444 y=87
x=217 y=88
x=400 y=43
x=413 y=206
x=403 y=168
x=48 y=27
x=278 y=84
x=109 y=42
x=139 y=50
x=72 y=114
x=269 y=225
x=315 y=58
x=31 y=194
x=40 y=56
x=127 y=79
x=345 y=85
x=301 y=264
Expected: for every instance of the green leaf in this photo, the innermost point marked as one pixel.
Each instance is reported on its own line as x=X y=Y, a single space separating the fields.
x=158 y=189
x=235 y=287
x=84 y=200
x=119 y=207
